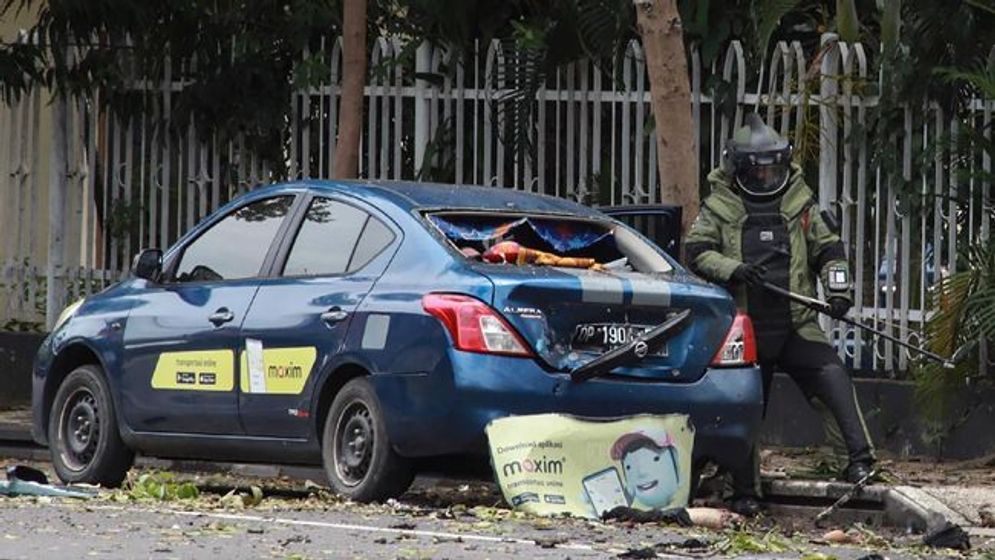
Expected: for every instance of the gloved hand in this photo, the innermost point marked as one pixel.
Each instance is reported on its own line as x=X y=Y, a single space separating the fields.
x=749 y=274
x=838 y=306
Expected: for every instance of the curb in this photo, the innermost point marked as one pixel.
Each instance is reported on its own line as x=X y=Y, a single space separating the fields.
x=906 y=507
x=917 y=510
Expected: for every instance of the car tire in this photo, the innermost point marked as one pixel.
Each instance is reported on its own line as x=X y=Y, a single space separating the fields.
x=360 y=462
x=84 y=436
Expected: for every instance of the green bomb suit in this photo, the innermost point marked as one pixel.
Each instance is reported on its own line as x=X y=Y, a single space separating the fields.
x=789 y=237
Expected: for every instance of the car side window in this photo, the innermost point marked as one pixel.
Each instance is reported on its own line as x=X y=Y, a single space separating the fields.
x=375 y=238
x=326 y=239
x=236 y=246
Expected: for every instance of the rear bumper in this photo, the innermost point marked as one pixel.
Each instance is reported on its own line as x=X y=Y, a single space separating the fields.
x=438 y=414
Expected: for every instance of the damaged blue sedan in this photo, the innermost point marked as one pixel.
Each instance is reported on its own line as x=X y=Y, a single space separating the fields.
x=365 y=325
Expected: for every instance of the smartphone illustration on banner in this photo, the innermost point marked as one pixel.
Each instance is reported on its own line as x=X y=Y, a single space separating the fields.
x=605 y=491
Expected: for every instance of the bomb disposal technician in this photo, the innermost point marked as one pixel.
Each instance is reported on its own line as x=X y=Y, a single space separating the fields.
x=761 y=223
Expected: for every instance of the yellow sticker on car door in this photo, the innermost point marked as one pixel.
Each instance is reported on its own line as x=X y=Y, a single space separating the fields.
x=197 y=370
x=285 y=371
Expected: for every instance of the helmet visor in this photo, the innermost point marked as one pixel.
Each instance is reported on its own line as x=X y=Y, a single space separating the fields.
x=763 y=179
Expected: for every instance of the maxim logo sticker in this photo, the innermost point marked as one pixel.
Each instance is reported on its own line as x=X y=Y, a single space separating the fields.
x=534 y=466
x=290 y=371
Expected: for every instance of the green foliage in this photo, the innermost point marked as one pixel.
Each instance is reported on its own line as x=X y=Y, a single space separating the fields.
x=768 y=17
x=123 y=218
x=237 y=59
x=964 y=305
x=847 y=24
x=161 y=487
x=744 y=542
x=20 y=66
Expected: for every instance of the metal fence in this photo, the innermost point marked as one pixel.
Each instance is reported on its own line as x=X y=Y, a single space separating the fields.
x=132 y=184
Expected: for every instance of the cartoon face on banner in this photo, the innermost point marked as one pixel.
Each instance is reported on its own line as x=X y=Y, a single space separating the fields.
x=552 y=464
x=649 y=465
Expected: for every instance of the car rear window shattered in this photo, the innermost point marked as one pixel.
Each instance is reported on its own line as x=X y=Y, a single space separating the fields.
x=544 y=241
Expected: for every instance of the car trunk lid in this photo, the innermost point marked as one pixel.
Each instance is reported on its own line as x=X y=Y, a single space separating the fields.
x=572 y=316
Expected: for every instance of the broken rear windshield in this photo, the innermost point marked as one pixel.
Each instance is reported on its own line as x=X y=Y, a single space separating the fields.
x=518 y=239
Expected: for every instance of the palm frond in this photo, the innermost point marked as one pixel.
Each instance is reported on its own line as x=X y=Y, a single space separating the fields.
x=767 y=18
x=964 y=312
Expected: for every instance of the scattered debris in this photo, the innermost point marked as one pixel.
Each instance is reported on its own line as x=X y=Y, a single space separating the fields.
x=676 y=516
x=836 y=536
x=693 y=543
x=639 y=553
x=28 y=481
x=741 y=542
x=550 y=542
x=688 y=547
x=987 y=515
x=713 y=518
x=818 y=556
x=947 y=535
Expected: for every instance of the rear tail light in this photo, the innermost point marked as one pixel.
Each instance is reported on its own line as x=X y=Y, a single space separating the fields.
x=474 y=326
x=740 y=345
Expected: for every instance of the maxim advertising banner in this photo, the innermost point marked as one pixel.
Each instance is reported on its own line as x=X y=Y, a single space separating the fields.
x=550 y=464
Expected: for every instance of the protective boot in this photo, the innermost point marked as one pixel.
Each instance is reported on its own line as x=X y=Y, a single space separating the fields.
x=856 y=472
x=747 y=506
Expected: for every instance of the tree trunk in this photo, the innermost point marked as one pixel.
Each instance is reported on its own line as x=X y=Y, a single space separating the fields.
x=353 y=81
x=670 y=87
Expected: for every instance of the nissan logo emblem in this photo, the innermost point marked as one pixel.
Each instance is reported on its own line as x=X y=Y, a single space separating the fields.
x=641 y=349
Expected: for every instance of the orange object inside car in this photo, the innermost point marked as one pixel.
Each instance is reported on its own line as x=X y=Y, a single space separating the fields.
x=510 y=252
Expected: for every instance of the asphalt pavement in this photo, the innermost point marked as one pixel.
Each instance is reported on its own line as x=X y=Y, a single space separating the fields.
x=436 y=520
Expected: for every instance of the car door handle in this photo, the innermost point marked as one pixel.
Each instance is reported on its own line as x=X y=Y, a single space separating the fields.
x=334 y=315
x=221 y=316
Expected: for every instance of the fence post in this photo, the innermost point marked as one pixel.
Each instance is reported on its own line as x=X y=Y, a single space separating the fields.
x=828 y=120
x=57 y=193
x=423 y=65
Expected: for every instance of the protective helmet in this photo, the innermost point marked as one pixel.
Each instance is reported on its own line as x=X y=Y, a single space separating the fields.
x=759 y=159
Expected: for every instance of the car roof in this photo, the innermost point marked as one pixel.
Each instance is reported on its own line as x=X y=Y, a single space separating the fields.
x=424 y=196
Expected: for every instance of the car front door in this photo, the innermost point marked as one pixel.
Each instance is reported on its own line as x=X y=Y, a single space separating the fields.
x=299 y=317
x=179 y=360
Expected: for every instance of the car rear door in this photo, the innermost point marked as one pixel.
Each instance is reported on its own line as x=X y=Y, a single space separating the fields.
x=298 y=320
x=180 y=372
x=660 y=223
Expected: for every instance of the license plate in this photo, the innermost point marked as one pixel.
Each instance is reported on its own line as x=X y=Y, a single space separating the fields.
x=606 y=336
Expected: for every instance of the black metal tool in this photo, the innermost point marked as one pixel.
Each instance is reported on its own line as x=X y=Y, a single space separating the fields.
x=857 y=487
x=823 y=307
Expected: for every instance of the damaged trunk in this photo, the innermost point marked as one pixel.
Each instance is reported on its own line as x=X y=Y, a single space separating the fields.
x=580 y=290
x=571 y=317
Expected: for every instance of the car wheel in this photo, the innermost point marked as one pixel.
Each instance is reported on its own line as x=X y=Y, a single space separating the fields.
x=83 y=433
x=359 y=460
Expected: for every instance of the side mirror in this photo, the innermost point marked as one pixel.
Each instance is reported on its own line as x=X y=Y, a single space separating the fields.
x=148 y=264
